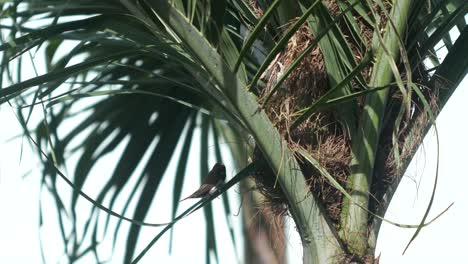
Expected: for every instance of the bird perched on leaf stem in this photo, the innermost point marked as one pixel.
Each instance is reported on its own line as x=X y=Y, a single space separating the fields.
x=216 y=176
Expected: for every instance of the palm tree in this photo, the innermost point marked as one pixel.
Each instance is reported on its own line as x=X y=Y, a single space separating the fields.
x=329 y=99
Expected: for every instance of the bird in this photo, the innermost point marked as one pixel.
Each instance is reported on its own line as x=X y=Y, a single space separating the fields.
x=215 y=177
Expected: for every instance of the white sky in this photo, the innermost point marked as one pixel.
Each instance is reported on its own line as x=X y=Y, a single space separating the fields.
x=443 y=241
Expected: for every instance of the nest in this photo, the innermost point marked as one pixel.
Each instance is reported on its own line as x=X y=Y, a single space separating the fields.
x=321 y=135
x=333 y=153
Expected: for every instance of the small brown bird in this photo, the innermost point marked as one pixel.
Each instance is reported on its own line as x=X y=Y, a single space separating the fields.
x=216 y=176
